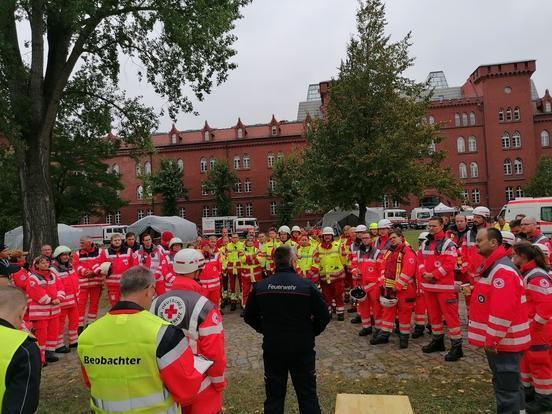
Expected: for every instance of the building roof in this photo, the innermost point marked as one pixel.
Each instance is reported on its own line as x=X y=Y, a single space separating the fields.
x=310 y=107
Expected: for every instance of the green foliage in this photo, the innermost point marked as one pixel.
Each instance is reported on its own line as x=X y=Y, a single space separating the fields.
x=221 y=181
x=10 y=210
x=168 y=183
x=372 y=142
x=541 y=183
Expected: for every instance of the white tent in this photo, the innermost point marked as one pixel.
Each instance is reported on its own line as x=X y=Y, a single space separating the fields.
x=179 y=227
x=443 y=209
x=67 y=236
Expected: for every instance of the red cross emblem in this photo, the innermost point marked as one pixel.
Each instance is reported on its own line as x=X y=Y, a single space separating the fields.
x=171 y=311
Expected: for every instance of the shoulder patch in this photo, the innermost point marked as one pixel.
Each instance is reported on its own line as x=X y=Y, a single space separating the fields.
x=544 y=283
x=172 y=309
x=411 y=260
x=215 y=318
x=498 y=283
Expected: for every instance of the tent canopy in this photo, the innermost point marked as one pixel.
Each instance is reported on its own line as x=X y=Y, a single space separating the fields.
x=443 y=209
x=67 y=236
x=155 y=225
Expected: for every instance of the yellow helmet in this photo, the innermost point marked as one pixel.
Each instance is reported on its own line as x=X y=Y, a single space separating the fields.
x=373 y=226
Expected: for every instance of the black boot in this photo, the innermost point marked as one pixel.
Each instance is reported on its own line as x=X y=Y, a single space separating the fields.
x=529 y=394
x=356 y=319
x=79 y=331
x=396 y=330
x=403 y=341
x=541 y=403
x=455 y=352
x=365 y=331
x=428 y=327
x=381 y=338
x=376 y=332
x=437 y=344
x=418 y=331
x=62 y=350
x=73 y=345
x=51 y=357
x=340 y=317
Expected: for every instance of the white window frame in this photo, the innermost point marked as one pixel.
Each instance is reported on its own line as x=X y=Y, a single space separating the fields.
x=519 y=192
x=249 y=210
x=139 y=192
x=274 y=130
x=474 y=170
x=272 y=184
x=545 y=138
x=180 y=164
x=505 y=141
x=462 y=172
x=238 y=186
x=149 y=212
x=509 y=193
x=205 y=211
x=517 y=114
x=182 y=212
x=516 y=140
x=246 y=162
x=118 y=217
x=273 y=208
x=464 y=119
x=460 y=145
x=240 y=133
x=173 y=138
x=203 y=165
x=138 y=169
x=518 y=166
x=508 y=114
x=214 y=211
x=501 y=115
x=472 y=144
x=239 y=210
x=206 y=136
x=204 y=191
x=457 y=120
x=472 y=118
x=147 y=168
x=270 y=159
x=247 y=185
x=140 y=214
x=212 y=163
x=237 y=162
x=507 y=167
x=476 y=196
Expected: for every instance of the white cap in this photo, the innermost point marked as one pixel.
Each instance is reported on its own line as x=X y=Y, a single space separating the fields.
x=175 y=240
x=296 y=228
x=327 y=230
x=186 y=261
x=508 y=237
x=481 y=211
x=60 y=250
x=284 y=229
x=384 y=224
x=105 y=267
x=361 y=228
x=544 y=248
x=423 y=235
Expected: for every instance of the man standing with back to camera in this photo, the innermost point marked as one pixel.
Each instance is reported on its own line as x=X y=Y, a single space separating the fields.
x=289 y=311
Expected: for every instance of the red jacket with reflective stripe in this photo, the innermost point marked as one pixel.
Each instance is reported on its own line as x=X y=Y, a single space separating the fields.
x=406 y=280
x=20 y=278
x=498 y=309
x=88 y=260
x=121 y=260
x=209 y=278
x=539 y=238
x=471 y=259
x=42 y=288
x=367 y=267
x=538 y=289
x=185 y=283
x=437 y=255
x=70 y=281
x=154 y=260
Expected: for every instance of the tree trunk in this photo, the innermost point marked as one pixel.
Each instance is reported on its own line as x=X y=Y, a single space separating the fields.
x=39 y=217
x=361 y=212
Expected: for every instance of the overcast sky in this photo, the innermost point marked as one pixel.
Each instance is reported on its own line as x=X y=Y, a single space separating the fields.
x=284 y=45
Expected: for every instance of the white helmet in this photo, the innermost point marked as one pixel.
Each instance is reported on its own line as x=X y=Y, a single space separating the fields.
x=361 y=228
x=544 y=248
x=296 y=228
x=327 y=230
x=423 y=235
x=105 y=268
x=508 y=237
x=186 y=261
x=384 y=224
x=200 y=260
x=388 y=303
x=175 y=240
x=481 y=211
x=284 y=229
x=60 y=250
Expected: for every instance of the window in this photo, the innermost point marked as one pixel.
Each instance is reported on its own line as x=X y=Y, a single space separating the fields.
x=270 y=159
x=432 y=148
x=546 y=213
x=517 y=115
x=518 y=167
x=465 y=195
x=236 y=162
x=249 y=210
x=140 y=214
x=519 y=191
x=149 y=212
x=240 y=133
x=507 y=167
x=140 y=193
x=203 y=165
x=246 y=162
x=516 y=140
x=385 y=201
x=509 y=193
x=239 y=210
x=472 y=118
x=138 y=169
x=457 y=119
x=109 y=218
x=501 y=115
x=476 y=196
x=180 y=164
x=505 y=141
x=247 y=185
x=474 y=170
x=272 y=208
x=86 y=219
x=118 y=217
x=214 y=211
x=182 y=212
x=280 y=156
x=271 y=184
x=545 y=138
x=462 y=170
x=431 y=120
x=115 y=169
x=460 y=145
x=464 y=119
x=547 y=106
x=212 y=163
x=147 y=168
x=238 y=186
x=509 y=114
x=173 y=139
x=396 y=204
x=204 y=191
x=472 y=144
x=206 y=137
x=205 y=211
x=274 y=130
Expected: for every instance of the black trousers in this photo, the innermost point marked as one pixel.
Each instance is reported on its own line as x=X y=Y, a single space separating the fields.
x=301 y=367
x=510 y=397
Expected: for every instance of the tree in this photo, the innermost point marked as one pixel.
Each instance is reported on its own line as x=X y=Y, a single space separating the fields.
x=74 y=51
x=221 y=181
x=10 y=212
x=541 y=183
x=168 y=183
x=372 y=141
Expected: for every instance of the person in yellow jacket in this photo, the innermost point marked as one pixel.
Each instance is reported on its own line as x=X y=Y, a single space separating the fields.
x=268 y=246
x=501 y=224
x=134 y=361
x=332 y=258
x=233 y=263
x=224 y=265
x=306 y=267
x=284 y=236
x=251 y=268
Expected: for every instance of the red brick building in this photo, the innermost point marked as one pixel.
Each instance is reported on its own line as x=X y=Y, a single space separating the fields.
x=495 y=128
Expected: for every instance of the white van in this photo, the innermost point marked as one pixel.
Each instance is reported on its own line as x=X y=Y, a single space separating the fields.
x=419 y=217
x=397 y=216
x=539 y=208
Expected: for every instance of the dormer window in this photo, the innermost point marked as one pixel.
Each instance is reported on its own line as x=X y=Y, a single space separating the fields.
x=206 y=136
x=173 y=138
x=548 y=106
x=274 y=130
x=240 y=133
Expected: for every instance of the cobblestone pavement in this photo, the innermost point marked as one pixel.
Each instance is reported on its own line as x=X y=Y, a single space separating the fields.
x=342 y=352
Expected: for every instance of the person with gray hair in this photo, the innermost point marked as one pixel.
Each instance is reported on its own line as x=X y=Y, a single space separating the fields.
x=290 y=312
x=533 y=234
x=20 y=362
x=131 y=342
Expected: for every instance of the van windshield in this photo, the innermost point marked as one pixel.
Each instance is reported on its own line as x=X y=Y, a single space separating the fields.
x=423 y=215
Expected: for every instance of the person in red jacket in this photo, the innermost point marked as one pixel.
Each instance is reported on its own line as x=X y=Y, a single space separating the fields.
x=420 y=308
x=121 y=259
x=175 y=245
x=530 y=229
x=437 y=260
x=398 y=290
x=382 y=242
x=62 y=268
x=186 y=278
x=498 y=320
x=86 y=262
x=152 y=257
x=251 y=268
x=209 y=278
x=45 y=293
x=536 y=364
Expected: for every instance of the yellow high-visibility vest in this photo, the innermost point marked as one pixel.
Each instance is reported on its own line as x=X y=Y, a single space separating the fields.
x=11 y=341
